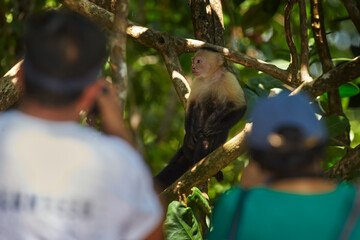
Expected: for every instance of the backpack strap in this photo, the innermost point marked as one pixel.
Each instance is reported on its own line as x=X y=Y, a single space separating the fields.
x=352 y=218
x=238 y=213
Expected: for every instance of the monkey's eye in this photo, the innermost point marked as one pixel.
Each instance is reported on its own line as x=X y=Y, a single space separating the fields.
x=198 y=61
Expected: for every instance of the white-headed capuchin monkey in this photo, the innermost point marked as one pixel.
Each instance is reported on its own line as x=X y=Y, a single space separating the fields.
x=216 y=103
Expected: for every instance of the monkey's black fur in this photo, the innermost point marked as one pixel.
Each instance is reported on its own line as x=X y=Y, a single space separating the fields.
x=207 y=126
x=216 y=103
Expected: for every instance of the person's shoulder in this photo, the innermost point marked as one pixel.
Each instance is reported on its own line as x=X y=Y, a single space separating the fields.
x=13 y=119
x=346 y=188
x=6 y=115
x=233 y=190
x=230 y=196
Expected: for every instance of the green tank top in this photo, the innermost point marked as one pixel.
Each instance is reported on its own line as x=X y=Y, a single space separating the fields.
x=273 y=215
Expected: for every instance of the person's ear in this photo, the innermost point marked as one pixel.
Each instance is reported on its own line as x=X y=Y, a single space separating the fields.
x=88 y=97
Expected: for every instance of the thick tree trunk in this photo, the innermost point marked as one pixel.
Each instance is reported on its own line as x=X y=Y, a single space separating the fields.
x=207 y=18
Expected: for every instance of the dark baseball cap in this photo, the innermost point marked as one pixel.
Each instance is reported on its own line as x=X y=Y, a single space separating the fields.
x=271 y=114
x=64 y=51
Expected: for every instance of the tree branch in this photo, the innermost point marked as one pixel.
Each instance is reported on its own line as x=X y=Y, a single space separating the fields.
x=334 y=78
x=318 y=27
x=107 y=4
x=177 y=75
x=164 y=41
x=346 y=166
x=304 y=65
x=118 y=50
x=354 y=12
x=207 y=20
x=218 y=21
x=293 y=66
x=99 y=15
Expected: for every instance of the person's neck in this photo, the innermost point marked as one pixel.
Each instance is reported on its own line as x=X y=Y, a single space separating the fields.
x=36 y=109
x=305 y=185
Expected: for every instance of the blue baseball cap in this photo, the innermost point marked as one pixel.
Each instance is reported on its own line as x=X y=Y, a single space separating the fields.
x=272 y=113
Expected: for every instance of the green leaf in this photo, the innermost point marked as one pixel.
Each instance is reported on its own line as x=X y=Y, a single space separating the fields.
x=336 y=125
x=347 y=90
x=197 y=201
x=356 y=80
x=280 y=63
x=180 y=223
x=333 y=155
x=263 y=85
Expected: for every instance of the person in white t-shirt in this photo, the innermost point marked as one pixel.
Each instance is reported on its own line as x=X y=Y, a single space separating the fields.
x=60 y=180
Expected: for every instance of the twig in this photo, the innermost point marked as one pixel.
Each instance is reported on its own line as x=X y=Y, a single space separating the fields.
x=340 y=143
x=334 y=78
x=293 y=66
x=304 y=65
x=354 y=12
x=318 y=27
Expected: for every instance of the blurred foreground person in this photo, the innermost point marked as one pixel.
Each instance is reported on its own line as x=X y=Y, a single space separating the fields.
x=287 y=143
x=60 y=180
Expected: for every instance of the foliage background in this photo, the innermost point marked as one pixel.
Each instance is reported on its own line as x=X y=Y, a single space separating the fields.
x=254 y=27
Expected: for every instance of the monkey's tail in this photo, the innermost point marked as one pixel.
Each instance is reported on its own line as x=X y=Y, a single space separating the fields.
x=177 y=166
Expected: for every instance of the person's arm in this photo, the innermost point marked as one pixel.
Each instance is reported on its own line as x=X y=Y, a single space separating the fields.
x=157 y=234
x=111 y=113
x=145 y=213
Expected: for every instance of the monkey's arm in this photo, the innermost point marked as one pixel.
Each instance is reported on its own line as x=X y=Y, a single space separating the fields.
x=177 y=166
x=224 y=117
x=183 y=159
x=193 y=124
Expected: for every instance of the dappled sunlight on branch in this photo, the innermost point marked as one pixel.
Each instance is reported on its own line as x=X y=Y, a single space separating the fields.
x=136 y=31
x=176 y=74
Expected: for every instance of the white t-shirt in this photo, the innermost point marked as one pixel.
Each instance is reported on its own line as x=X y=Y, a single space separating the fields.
x=62 y=181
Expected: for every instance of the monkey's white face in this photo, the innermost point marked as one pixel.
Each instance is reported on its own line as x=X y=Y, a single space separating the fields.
x=200 y=66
